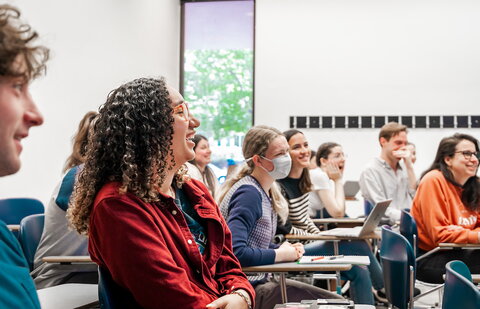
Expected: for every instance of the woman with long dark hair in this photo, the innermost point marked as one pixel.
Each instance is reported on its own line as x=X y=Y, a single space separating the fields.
x=198 y=167
x=296 y=187
x=159 y=234
x=446 y=207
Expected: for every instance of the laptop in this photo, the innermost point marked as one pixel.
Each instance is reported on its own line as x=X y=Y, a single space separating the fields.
x=351 y=189
x=368 y=226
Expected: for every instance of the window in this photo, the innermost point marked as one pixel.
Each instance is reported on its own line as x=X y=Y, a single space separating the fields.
x=217 y=73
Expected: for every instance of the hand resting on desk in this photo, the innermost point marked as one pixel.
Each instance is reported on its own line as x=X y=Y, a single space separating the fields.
x=288 y=252
x=229 y=301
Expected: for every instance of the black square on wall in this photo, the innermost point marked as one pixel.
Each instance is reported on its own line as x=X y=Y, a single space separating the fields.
x=407 y=120
x=379 y=121
x=462 y=121
x=475 y=121
x=366 y=121
x=448 y=122
x=292 y=122
x=314 y=122
x=301 y=122
x=339 y=122
x=434 y=121
x=327 y=122
x=393 y=118
x=420 y=121
x=353 y=121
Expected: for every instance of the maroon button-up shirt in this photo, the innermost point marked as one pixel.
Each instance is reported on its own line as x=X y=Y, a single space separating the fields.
x=149 y=249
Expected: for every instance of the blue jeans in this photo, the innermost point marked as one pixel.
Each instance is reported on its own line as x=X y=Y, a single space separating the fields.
x=361 y=278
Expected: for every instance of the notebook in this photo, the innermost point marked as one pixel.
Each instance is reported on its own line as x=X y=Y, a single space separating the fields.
x=351 y=189
x=368 y=226
x=346 y=259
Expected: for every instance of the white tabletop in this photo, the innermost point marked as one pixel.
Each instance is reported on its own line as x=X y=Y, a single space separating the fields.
x=68 y=296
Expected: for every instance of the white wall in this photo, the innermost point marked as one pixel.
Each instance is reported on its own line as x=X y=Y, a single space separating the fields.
x=95 y=46
x=367 y=57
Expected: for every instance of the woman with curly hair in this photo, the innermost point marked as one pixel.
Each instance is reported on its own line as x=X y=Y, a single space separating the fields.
x=21 y=61
x=159 y=234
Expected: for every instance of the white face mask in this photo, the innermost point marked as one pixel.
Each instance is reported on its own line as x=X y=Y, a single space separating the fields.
x=281 y=166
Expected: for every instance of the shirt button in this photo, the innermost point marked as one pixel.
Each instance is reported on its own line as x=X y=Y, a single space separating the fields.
x=198 y=272
x=174 y=212
x=189 y=241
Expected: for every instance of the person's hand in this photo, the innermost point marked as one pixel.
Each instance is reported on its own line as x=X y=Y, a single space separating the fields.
x=287 y=253
x=333 y=171
x=229 y=301
x=300 y=249
x=405 y=154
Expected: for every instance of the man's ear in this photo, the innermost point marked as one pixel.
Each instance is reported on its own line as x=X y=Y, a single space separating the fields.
x=382 y=141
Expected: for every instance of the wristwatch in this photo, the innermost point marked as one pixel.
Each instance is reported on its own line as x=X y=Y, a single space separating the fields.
x=243 y=294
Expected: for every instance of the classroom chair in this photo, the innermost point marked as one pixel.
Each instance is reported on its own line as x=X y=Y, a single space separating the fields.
x=110 y=294
x=459 y=290
x=398 y=262
x=13 y=210
x=31 y=229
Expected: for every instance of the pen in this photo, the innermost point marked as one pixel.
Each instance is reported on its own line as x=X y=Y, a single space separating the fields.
x=317 y=258
x=335 y=257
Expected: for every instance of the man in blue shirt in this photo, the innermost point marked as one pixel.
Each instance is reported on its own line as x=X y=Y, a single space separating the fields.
x=20 y=62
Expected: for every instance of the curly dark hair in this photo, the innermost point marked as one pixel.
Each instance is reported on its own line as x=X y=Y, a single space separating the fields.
x=16 y=39
x=447 y=148
x=130 y=143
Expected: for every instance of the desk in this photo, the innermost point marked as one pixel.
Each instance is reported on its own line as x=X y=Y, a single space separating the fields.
x=66 y=260
x=14 y=227
x=71 y=295
x=341 y=222
x=283 y=268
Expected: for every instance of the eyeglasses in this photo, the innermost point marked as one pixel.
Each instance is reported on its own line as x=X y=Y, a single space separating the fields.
x=182 y=111
x=468 y=154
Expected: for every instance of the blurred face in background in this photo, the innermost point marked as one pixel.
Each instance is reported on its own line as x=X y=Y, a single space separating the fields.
x=203 y=153
x=336 y=157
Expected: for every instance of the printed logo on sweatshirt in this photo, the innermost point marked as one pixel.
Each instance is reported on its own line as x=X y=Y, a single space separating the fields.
x=467 y=221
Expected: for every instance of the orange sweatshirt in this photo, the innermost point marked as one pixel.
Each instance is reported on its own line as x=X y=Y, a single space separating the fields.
x=441 y=215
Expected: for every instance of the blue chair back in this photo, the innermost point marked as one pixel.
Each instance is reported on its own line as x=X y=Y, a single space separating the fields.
x=13 y=210
x=408 y=228
x=397 y=259
x=459 y=291
x=31 y=229
x=367 y=207
x=110 y=294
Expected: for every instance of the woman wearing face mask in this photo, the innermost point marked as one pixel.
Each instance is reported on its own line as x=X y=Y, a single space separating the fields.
x=250 y=202
x=198 y=167
x=296 y=188
x=446 y=207
x=327 y=198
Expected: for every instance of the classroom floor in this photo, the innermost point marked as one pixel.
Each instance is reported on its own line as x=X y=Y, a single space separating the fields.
x=428 y=301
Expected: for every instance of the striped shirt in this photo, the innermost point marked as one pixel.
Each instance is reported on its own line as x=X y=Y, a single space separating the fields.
x=298 y=207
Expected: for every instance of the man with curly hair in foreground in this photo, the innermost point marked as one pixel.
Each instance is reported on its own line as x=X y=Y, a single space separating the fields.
x=20 y=62
x=158 y=233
